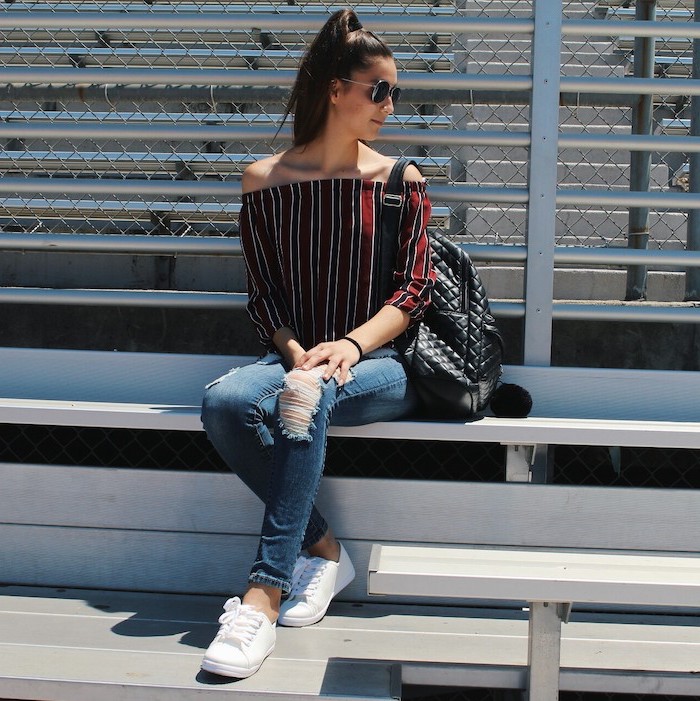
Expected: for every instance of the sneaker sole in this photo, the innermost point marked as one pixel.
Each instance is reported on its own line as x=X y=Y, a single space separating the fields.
x=225 y=670
x=301 y=622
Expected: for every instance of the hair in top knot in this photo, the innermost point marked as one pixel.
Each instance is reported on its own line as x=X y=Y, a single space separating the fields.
x=354 y=23
x=342 y=46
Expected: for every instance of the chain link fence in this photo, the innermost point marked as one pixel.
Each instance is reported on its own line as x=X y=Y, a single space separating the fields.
x=61 y=143
x=204 y=160
x=72 y=111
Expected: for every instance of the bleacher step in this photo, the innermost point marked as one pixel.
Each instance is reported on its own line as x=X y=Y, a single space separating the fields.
x=89 y=645
x=62 y=645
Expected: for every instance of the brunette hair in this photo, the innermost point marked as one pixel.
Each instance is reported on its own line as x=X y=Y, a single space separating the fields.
x=341 y=47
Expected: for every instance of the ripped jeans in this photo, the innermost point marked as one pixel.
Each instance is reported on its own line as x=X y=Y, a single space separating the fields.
x=242 y=409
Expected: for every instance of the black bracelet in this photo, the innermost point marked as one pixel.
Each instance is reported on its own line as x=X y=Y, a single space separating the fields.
x=354 y=343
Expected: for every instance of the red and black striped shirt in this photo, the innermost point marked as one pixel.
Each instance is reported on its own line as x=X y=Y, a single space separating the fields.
x=309 y=251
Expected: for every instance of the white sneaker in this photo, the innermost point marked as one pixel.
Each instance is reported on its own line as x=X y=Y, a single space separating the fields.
x=246 y=637
x=314 y=584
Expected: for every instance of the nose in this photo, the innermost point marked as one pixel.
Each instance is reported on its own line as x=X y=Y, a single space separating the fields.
x=388 y=105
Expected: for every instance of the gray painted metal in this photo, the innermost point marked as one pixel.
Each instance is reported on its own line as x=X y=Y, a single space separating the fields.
x=544 y=652
x=116 y=243
x=548 y=580
x=630 y=142
x=162 y=530
x=630 y=86
x=225 y=190
x=692 y=278
x=289 y=21
x=609 y=406
x=126 y=633
x=230 y=246
x=542 y=182
x=239 y=77
x=640 y=161
x=608 y=28
x=248 y=132
x=674 y=201
x=534 y=575
x=124 y=298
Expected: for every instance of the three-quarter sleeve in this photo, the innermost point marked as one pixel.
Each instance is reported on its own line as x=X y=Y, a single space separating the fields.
x=267 y=304
x=414 y=275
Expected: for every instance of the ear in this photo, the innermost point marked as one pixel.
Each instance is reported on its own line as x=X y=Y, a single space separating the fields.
x=334 y=90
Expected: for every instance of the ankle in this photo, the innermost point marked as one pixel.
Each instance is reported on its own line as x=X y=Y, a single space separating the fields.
x=327 y=548
x=264 y=598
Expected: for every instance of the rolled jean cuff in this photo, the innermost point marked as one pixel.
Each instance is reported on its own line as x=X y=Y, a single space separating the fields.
x=262 y=578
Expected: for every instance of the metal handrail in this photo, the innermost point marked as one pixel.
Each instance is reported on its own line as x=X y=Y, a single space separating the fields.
x=252 y=132
x=227 y=21
x=518 y=86
x=230 y=246
x=242 y=77
x=566 y=311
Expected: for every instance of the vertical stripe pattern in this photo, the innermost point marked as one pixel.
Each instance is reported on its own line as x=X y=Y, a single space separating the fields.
x=310 y=251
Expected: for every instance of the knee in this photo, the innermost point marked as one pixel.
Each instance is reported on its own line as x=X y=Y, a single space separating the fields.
x=222 y=403
x=298 y=403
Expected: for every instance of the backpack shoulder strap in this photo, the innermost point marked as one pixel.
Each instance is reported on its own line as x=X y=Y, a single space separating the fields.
x=388 y=240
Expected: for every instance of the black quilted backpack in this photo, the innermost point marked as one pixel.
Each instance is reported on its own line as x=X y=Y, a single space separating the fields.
x=454 y=354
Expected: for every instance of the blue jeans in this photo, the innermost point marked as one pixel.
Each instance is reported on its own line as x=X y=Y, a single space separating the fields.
x=242 y=409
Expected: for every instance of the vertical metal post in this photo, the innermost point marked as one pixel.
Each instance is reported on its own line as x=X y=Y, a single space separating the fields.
x=544 y=651
x=462 y=116
x=692 y=275
x=542 y=182
x=640 y=161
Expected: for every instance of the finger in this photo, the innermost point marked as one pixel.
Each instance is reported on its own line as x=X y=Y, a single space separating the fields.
x=343 y=372
x=313 y=361
x=331 y=368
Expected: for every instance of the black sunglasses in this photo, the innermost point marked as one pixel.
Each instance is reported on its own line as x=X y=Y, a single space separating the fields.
x=380 y=90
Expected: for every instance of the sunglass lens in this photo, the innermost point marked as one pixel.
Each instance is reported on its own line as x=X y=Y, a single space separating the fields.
x=380 y=91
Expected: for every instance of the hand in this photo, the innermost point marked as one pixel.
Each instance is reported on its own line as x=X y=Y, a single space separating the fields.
x=337 y=356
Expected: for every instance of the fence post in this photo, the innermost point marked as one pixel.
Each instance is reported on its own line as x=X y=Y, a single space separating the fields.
x=542 y=182
x=692 y=275
x=640 y=161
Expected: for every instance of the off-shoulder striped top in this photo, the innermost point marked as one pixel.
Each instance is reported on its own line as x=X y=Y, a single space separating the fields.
x=310 y=255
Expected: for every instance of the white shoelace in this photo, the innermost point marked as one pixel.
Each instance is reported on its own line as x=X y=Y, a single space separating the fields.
x=307 y=574
x=239 y=622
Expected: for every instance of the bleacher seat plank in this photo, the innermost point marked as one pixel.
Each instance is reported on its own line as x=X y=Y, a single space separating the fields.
x=96 y=642
x=609 y=403
x=535 y=575
x=177 y=531
x=88 y=654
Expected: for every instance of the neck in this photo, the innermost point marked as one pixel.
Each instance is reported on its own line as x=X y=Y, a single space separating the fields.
x=332 y=157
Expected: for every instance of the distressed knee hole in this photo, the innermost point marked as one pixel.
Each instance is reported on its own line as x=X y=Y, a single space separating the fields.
x=298 y=402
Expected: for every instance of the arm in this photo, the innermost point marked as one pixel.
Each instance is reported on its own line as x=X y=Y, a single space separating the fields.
x=267 y=304
x=414 y=279
x=341 y=355
x=288 y=345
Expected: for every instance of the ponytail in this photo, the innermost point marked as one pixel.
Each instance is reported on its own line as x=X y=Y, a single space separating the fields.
x=341 y=47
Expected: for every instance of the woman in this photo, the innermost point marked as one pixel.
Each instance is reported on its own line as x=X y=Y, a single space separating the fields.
x=309 y=226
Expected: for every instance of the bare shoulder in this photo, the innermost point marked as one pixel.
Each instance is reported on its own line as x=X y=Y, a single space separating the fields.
x=384 y=165
x=412 y=174
x=260 y=174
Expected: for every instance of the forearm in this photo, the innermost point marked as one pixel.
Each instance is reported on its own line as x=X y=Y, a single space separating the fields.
x=388 y=323
x=287 y=344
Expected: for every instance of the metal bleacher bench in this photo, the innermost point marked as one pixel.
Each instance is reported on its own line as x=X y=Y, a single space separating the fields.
x=114 y=578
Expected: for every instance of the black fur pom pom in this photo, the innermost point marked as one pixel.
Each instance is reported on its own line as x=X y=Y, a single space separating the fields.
x=511 y=402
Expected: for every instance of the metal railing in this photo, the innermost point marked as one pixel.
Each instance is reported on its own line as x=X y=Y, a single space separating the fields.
x=542 y=196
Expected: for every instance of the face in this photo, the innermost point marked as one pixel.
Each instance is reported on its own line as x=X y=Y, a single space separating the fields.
x=352 y=104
